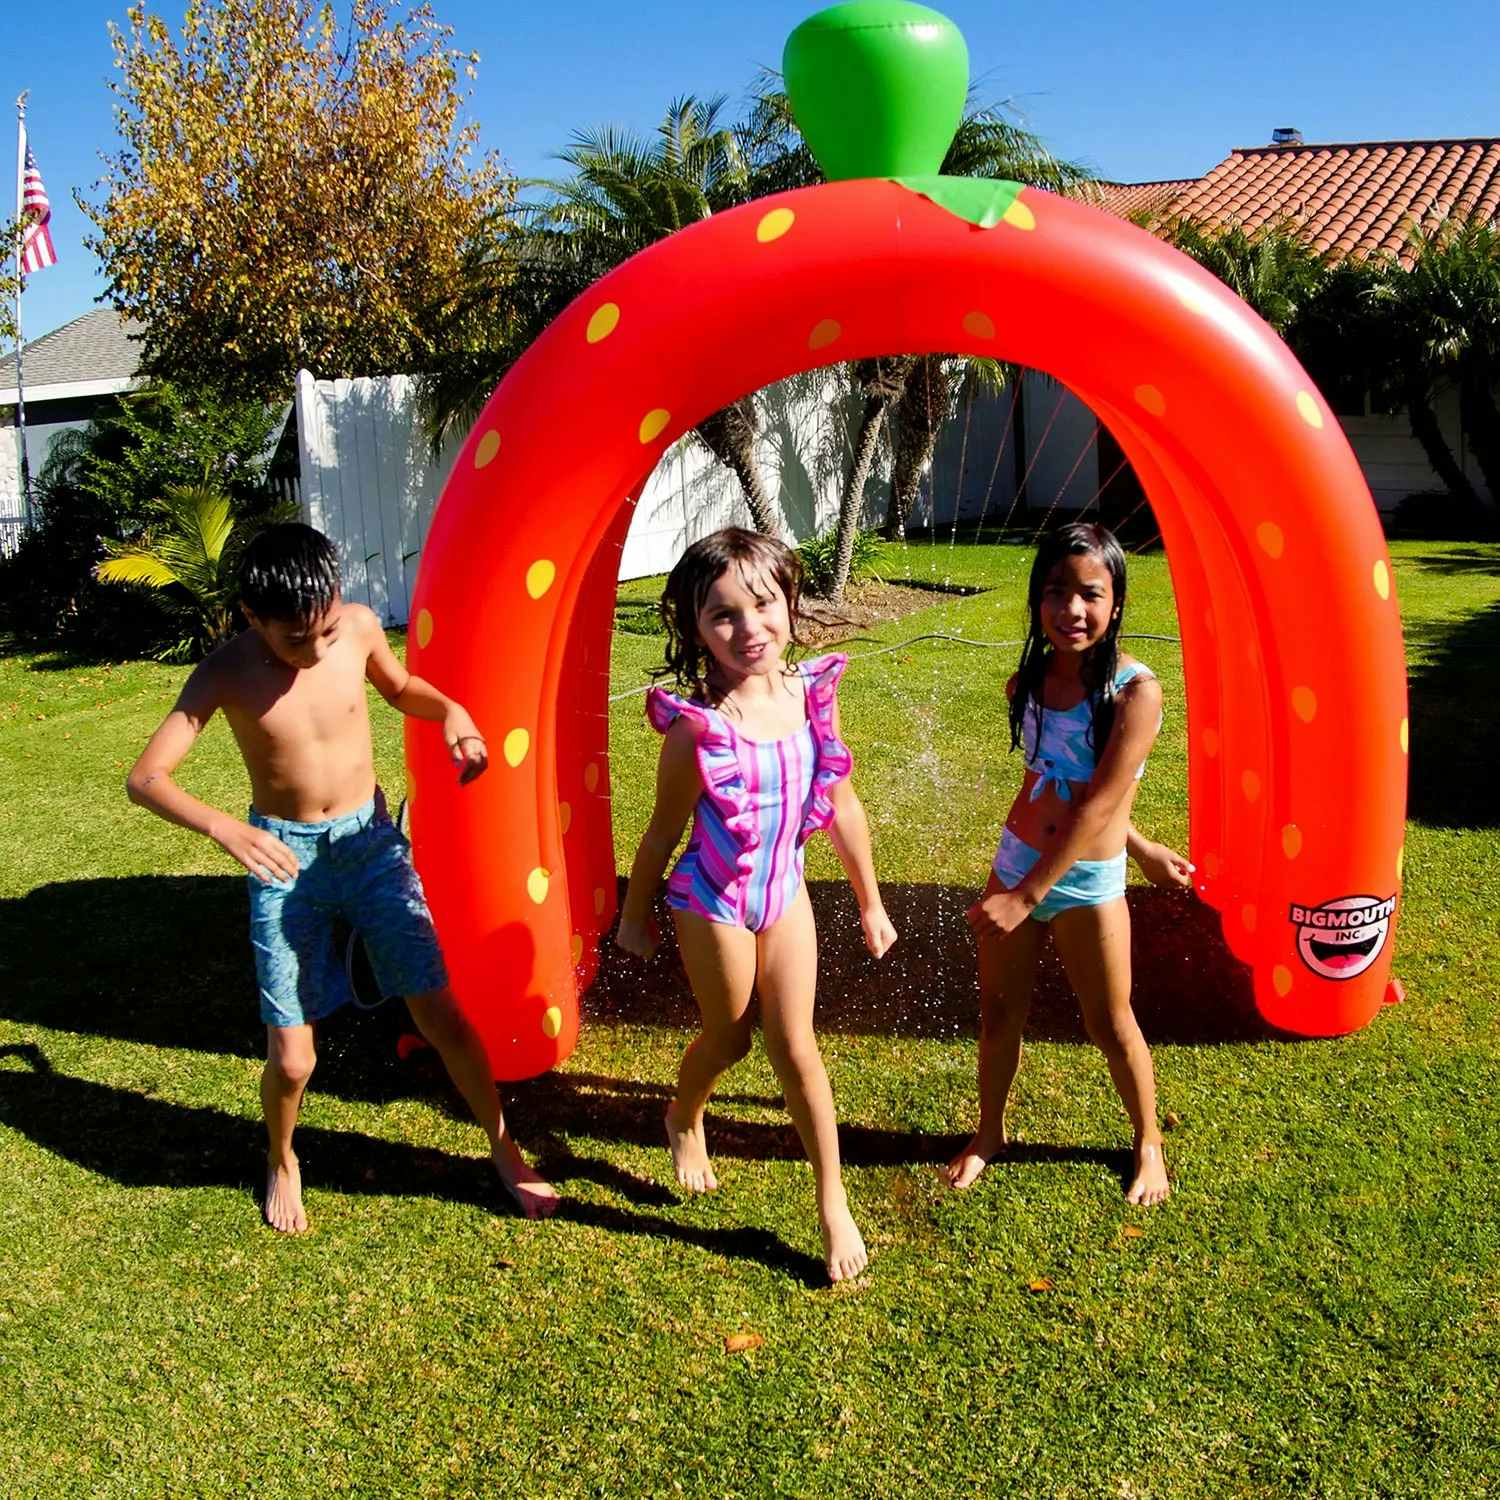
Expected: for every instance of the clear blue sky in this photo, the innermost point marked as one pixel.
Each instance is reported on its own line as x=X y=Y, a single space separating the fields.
x=1151 y=90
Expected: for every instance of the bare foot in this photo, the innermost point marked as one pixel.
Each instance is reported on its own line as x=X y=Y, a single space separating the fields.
x=690 y=1154
x=283 y=1209
x=1150 y=1185
x=963 y=1171
x=533 y=1194
x=843 y=1246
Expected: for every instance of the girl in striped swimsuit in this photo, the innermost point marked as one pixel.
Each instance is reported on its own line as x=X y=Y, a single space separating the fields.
x=752 y=752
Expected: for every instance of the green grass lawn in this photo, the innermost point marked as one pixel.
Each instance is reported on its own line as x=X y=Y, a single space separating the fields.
x=1316 y=1311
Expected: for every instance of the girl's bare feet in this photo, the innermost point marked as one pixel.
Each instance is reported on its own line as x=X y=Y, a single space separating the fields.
x=689 y=1149
x=283 y=1209
x=844 y=1250
x=533 y=1194
x=963 y=1171
x=1150 y=1185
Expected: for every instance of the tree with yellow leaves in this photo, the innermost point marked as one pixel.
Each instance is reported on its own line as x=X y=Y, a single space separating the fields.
x=291 y=192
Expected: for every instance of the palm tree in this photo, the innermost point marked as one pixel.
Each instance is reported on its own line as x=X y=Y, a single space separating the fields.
x=623 y=194
x=191 y=546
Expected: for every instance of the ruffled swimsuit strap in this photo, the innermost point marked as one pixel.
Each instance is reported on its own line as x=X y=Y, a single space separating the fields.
x=725 y=783
x=834 y=761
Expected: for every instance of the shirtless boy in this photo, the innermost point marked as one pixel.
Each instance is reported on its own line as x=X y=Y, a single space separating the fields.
x=319 y=840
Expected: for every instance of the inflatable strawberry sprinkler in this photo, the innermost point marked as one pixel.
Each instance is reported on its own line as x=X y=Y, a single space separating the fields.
x=1290 y=633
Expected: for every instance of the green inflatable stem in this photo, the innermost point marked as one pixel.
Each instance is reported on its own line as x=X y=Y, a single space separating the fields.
x=877 y=87
x=980 y=200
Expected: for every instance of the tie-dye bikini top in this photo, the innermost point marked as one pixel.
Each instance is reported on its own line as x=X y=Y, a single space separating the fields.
x=1059 y=738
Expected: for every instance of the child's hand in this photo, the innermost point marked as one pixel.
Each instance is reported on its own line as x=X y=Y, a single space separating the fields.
x=1163 y=866
x=262 y=853
x=639 y=938
x=879 y=933
x=997 y=915
x=466 y=745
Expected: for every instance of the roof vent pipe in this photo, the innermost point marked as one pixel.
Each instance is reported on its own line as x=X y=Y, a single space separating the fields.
x=1286 y=135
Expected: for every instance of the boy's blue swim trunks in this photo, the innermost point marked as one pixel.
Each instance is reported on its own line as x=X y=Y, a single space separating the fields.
x=358 y=867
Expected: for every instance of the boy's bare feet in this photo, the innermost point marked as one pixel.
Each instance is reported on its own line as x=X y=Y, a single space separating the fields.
x=533 y=1194
x=963 y=1171
x=283 y=1210
x=843 y=1246
x=1150 y=1185
x=689 y=1149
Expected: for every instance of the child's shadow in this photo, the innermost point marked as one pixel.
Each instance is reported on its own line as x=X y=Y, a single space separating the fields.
x=138 y=1141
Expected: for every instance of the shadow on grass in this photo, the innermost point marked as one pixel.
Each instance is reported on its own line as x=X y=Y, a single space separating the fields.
x=164 y=960
x=1455 y=719
x=138 y=1141
x=1188 y=987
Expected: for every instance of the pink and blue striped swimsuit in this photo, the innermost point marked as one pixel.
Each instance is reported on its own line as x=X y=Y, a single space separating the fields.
x=762 y=800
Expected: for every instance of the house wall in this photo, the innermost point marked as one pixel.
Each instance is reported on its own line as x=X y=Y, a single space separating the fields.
x=42 y=426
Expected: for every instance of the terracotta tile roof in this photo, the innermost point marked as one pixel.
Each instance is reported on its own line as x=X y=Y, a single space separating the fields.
x=1356 y=199
x=1130 y=198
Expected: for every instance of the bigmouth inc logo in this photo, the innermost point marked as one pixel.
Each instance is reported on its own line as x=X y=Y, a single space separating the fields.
x=1342 y=938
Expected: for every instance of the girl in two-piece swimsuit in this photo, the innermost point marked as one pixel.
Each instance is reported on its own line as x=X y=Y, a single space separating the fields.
x=1086 y=720
x=752 y=752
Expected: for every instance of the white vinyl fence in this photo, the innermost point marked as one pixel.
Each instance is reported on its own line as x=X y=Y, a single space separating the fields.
x=370 y=482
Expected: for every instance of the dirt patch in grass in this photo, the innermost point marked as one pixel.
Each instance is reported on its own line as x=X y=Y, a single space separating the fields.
x=865 y=605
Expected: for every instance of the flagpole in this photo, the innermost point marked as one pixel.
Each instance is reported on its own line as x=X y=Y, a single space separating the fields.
x=20 y=283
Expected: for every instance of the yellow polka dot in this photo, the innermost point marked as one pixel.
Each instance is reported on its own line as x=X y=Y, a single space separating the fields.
x=1211 y=743
x=1291 y=841
x=1211 y=866
x=979 y=325
x=605 y=320
x=1400 y=861
x=1194 y=298
x=1308 y=409
x=599 y=901
x=653 y=422
x=774 y=224
x=575 y=948
x=565 y=815
x=1152 y=399
x=551 y=1021
x=591 y=776
x=517 y=743
x=1382 y=579
x=536 y=885
x=424 y=627
x=1405 y=736
x=824 y=334
x=488 y=447
x=1249 y=916
x=1272 y=542
x=540 y=576
x=1019 y=216
x=1250 y=785
x=1281 y=978
x=1305 y=704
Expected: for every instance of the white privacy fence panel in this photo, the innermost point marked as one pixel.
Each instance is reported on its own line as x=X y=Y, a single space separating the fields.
x=369 y=481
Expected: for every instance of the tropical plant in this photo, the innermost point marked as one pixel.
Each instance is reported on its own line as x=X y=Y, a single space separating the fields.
x=623 y=194
x=189 y=556
x=819 y=556
x=289 y=193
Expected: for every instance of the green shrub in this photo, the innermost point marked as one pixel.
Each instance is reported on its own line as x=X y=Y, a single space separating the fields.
x=819 y=553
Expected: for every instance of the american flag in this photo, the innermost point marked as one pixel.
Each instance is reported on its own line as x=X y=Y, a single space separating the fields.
x=36 y=212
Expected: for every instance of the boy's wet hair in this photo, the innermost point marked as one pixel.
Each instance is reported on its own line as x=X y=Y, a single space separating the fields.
x=1102 y=662
x=755 y=557
x=289 y=572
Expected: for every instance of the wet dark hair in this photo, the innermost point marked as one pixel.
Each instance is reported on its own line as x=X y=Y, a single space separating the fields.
x=1102 y=661
x=289 y=572
x=698 y=569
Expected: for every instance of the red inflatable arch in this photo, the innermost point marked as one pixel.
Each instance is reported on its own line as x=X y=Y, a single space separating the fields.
x=1291 y=637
